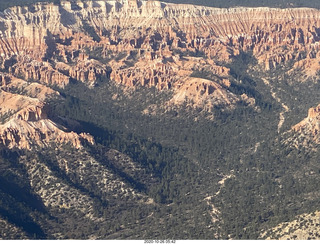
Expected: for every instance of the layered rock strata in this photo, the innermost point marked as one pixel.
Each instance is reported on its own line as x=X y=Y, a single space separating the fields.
x=145 y=43
x=154 y=30
x=24 y=118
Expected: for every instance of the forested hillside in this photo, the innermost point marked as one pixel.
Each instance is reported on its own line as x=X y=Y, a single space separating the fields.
x=263 y=178
x=141 y=120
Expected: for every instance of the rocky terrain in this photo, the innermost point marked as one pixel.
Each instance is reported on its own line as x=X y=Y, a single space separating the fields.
x=306 y=132
x=305 y=227
x=311 y=123
x=158 y=37
x=135 y=111
x=25 y=121
x=154 y=44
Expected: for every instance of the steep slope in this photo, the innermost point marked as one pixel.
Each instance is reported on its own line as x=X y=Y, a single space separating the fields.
x=144 y=119
x=25 y=120
x=310 y=125
x=149 y=37
x=68 y=193
x=305 y=227
x=305 y=134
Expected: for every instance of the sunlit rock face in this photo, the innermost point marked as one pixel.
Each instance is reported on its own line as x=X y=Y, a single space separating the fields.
x=153 y=30
x=25 y=121
x=139 y=43
x=310 y=126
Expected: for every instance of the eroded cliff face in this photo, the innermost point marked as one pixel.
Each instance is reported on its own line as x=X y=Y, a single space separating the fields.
x=24 y=118
x=157 y=45
x=143 y=43
x=205 y=94
x=307 y=132
x=149 y=42
x=312 y=121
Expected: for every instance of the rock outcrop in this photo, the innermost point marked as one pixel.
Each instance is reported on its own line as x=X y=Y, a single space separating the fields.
x=204 y=94
x=145 y=43
x=70 y=32
x=41 y=71
x=30 y=127
x=305 y=134
x=311 y=124
x=303 y=227
x=24 y=118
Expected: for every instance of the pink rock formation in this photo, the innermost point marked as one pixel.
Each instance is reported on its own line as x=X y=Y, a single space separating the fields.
x=41 y=71
x=155 y=30
x=154 y=74
x=204 y=94
x=311 y=124
x=25 y=121
x=141 y=43
x=30 y=127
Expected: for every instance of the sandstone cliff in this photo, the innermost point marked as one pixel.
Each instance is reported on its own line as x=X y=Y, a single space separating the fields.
x=311 y=124
x=30 y=127
x=144 y=43
x=24 y=118
x=153 y=29
x=305 y=134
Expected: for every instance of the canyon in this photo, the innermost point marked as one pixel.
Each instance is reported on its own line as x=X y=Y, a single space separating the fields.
x=117 y=108
x=155 y=44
